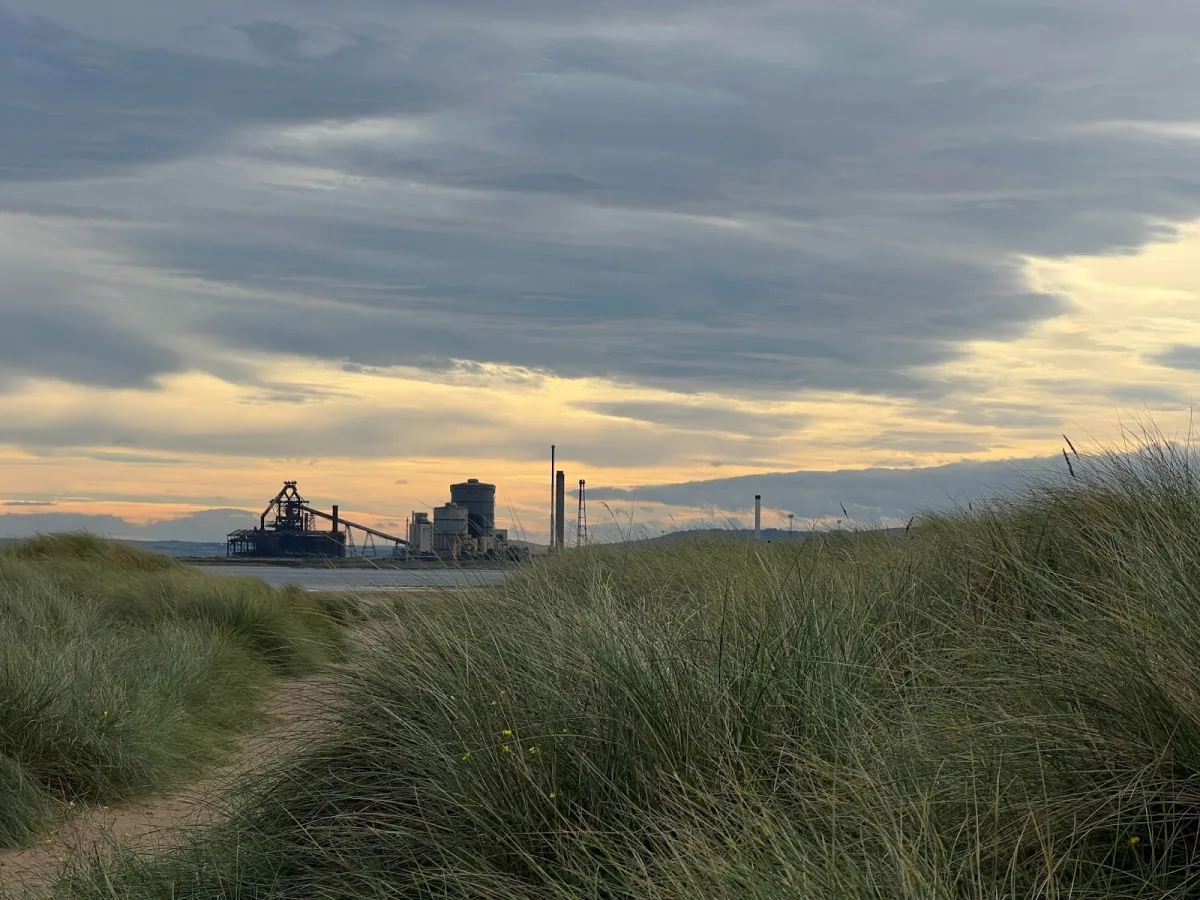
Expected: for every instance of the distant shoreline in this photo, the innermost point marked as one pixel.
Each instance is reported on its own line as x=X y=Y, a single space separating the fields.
x=335 y=563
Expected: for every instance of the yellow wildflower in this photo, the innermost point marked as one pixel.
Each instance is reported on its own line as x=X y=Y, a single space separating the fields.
x=1133 y=841
x=505 y=748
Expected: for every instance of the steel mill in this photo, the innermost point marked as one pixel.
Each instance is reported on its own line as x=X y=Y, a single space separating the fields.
x=462 y=529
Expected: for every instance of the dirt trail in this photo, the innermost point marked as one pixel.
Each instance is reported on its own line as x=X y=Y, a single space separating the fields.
x=293 y=715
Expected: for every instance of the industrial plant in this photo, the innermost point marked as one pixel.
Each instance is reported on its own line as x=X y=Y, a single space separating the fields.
x=462 y=529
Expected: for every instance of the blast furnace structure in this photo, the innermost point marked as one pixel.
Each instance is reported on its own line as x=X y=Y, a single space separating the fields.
x=462 y=529
x=293 y=532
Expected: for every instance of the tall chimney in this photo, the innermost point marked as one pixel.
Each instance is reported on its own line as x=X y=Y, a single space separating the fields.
x=551 y=538
x=758 y=517
x=560 y=509
x=335 y=518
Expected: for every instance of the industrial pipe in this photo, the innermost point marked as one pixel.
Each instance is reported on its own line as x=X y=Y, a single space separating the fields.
x=560 y=509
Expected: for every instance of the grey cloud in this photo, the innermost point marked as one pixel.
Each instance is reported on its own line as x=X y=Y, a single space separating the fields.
x=72 y=106
x=924 y=442
x=139 y=459
x=56 y=323
x=1153 y=396
x=439 y=433
x=275 y=39
x=1180 y=356
x=673 y=316
x=332 y=435
x=750 y=463
x=1009 y=416
x=700 y=417
x=868 y=494
x=556 y=203
x=78 y=345
x=268 y=395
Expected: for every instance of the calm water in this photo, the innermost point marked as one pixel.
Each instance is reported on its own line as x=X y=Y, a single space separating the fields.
x=363 y=579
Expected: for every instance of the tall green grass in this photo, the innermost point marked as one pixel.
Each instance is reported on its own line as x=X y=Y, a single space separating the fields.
x=1004 y=703
x=123 y=672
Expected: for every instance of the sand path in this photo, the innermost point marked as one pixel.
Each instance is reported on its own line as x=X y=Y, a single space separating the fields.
x=293 y=715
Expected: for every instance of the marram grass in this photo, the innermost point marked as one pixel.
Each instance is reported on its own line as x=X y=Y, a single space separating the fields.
x=123 y=673
x=1004 y=703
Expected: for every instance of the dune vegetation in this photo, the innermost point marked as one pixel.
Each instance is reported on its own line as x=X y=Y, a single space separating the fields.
x=1002 y=703
x=124 y=673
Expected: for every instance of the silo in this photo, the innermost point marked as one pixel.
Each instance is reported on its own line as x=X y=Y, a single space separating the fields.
x=420 y=534
x=479 y=499
x=449 y=527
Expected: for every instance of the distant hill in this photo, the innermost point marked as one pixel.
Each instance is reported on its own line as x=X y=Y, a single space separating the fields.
x=534 y=549
x=167 y=548
x=205 y=526
x=769 y=535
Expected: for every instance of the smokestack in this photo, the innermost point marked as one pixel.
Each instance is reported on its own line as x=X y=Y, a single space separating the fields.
x=758 y=517
x=560 y=509
x=551 y=538
x=335 y=518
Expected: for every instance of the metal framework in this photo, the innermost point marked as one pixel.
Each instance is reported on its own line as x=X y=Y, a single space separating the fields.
x=292 y=532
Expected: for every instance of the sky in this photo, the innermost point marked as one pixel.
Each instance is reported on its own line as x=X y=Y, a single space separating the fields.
x=841 y=252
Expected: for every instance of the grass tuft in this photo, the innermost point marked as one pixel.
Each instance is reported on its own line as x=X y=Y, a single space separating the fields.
x=124 y=673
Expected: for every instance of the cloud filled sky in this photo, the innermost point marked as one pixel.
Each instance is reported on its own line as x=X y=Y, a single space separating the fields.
x=380 y=247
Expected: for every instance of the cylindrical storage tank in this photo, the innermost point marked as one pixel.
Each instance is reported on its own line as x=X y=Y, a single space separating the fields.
x=479 y=499
x=450 y=525
x=420 y=533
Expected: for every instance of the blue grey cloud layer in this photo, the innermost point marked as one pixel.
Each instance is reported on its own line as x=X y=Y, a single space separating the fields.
x=562 y=192
x=870 y=496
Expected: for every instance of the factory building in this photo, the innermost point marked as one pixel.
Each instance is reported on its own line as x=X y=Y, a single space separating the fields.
x=420 y=535
x=293 y=532
x=450 y=528
x=461 y=529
